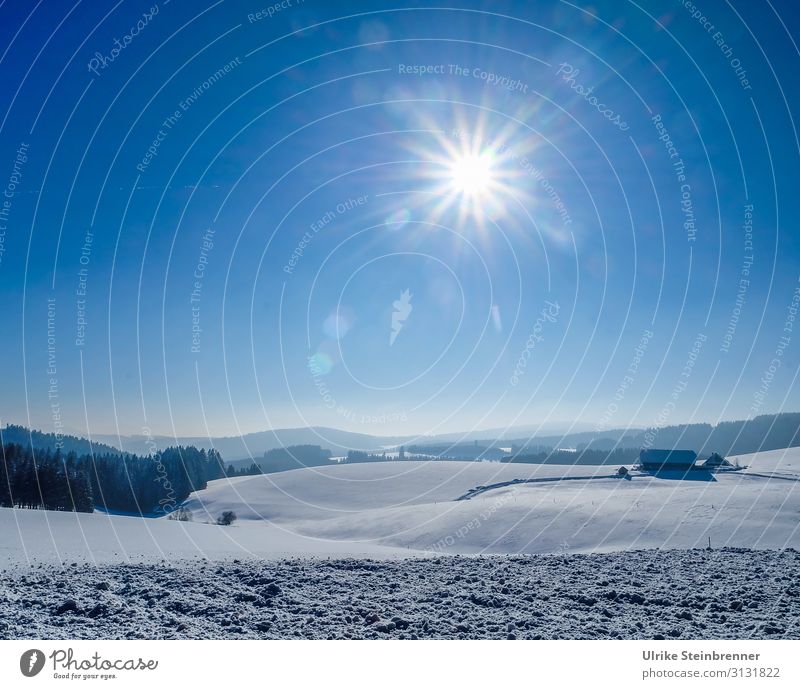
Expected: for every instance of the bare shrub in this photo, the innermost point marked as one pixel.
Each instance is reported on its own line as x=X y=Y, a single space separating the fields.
x=182 y=514
x=226 y=518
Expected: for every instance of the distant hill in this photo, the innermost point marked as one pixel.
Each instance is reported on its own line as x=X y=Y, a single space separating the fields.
x=761 y=433
x=549 y=429
x=487 y=450
x=339 y=442
x=293 y=457
x=38 y=440
x=254 y=445
x=766 y=432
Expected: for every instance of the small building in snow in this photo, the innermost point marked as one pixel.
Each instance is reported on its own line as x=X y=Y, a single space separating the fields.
x=655 y=460
x=715 y=461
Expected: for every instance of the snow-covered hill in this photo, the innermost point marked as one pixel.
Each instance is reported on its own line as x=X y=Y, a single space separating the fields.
x=414 y=505
x=407 y=508
x=340 y=490
x=32 y=536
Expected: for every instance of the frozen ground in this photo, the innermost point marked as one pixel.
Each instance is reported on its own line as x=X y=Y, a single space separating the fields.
x=386 y=510
x=706 y=594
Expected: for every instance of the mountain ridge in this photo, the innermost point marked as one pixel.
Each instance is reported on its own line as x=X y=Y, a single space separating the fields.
x=768 y=431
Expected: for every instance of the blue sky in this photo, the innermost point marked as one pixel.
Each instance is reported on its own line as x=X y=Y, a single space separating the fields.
x=309 y=163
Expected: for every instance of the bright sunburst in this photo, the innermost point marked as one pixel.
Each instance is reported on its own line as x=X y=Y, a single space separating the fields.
x=470 y=182
x=474 y=176
x=471 y=174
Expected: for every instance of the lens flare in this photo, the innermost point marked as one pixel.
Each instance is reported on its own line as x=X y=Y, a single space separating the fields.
x=320 y=364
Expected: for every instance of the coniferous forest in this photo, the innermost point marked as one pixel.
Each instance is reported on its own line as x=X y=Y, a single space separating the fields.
x=153 y=484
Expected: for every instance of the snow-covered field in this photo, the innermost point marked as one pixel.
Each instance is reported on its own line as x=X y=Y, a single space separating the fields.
x=687 y=594
x=359 y=540
x=412 y=508
x=415 y=506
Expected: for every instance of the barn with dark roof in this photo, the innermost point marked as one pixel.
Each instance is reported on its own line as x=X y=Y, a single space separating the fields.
x=656 y=460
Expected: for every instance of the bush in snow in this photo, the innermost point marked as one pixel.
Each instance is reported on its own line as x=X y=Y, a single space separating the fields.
x=182 y=514
x=226 y=518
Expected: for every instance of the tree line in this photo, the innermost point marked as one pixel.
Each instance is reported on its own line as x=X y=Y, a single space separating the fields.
x=19 y=435
x=625 y=455
x=57 y=480
x=759 y=434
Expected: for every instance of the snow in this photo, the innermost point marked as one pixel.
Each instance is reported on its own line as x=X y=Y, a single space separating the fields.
x=38 y=536
x=398 y=509
x=413 y=506
x=339 y=552
x=782 y=462
x=352 y=489
x=675 y=594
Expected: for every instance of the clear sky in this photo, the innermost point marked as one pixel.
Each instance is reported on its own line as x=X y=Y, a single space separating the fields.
x=226 y=217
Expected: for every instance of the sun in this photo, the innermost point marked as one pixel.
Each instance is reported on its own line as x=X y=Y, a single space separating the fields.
x=472 y=178
x=471 y=174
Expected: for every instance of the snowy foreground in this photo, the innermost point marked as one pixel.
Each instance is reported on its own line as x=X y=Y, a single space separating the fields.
x=402 y=509
x=706 y=594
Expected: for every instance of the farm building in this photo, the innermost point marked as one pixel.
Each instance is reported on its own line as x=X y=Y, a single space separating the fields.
x=653 y=460
x=715 y=461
